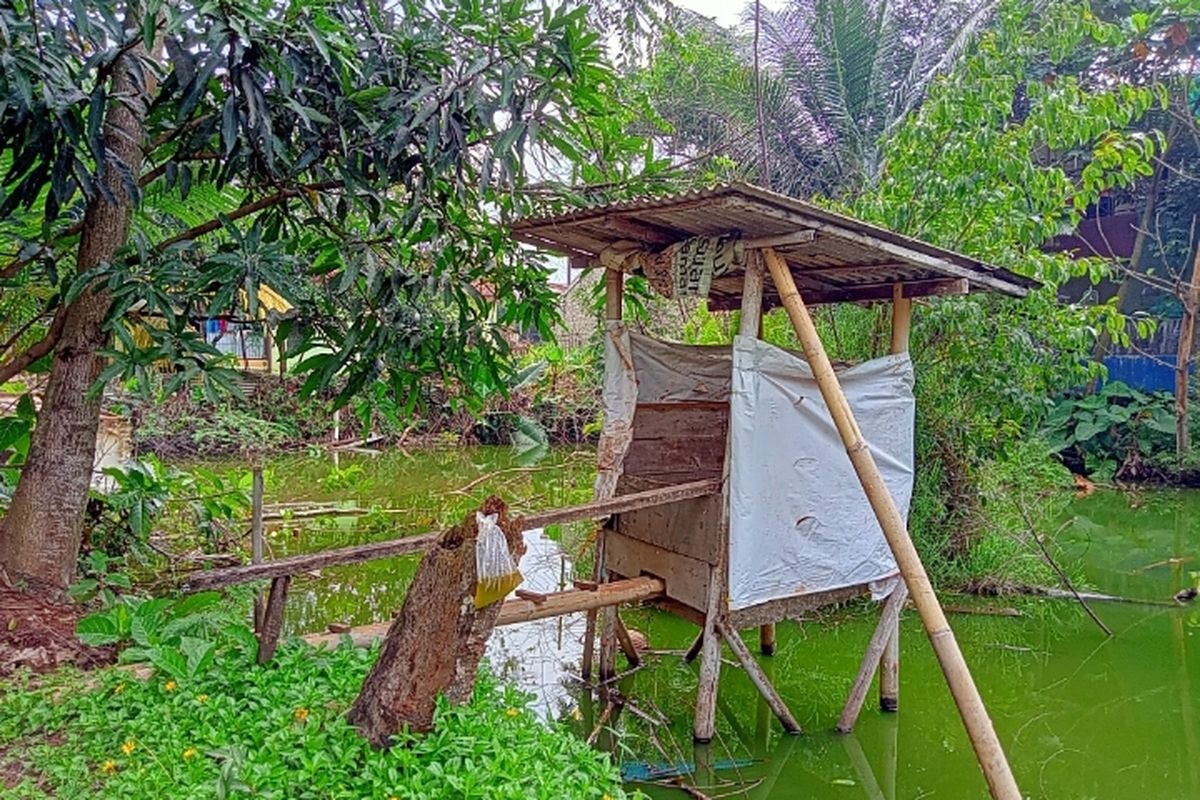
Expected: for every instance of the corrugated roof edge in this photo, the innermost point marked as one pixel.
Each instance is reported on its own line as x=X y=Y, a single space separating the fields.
x=527 y=226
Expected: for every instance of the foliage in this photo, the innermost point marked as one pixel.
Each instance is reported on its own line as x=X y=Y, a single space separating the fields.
x=146 y=493
x=1113 y=429
x=354 y=159
x=238 y=729
x=180 y=636
x=836 y=76
x=15 y=432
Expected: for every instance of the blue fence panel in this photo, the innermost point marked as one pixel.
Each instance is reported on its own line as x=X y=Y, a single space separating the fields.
x=1155 y=374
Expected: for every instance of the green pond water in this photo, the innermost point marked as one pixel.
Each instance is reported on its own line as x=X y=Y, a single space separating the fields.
x=1081 y=716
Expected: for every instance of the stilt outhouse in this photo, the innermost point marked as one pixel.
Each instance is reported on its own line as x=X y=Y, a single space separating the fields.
x=812 y=465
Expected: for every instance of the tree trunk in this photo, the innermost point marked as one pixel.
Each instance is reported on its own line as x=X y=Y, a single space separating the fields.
x=40 y=534
x=434 y=645
x=1183 y=359
x=1129 y=281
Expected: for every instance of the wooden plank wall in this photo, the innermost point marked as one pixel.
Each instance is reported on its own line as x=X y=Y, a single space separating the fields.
x=672 y=443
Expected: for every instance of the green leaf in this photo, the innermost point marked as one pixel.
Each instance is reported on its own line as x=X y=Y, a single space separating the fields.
x=97 y=630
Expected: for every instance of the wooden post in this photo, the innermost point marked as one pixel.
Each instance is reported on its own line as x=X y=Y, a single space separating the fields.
x=885 y=632
x=710 y=659
x=750 y=324
x=606 y=621
x=758 y=677
x=766 y=639
x=256 y=538
x=269 y=344
x=337 y=425
x=901 y=319
x=1001 y=783
x=889 y=660
x=626 y=641
x=268 y=637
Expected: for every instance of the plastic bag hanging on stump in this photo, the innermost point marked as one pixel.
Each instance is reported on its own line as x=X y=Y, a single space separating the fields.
x=495 y=572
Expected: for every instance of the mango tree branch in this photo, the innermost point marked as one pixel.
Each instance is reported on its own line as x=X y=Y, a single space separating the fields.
x=14 y=366
x=16 y=265
x=261 y=204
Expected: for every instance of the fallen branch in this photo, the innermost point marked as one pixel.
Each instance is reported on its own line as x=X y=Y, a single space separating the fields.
x=1062 y=576
x=1095 y=597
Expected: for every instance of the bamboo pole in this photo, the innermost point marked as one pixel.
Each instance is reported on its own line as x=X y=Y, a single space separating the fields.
x=901 y=319
x=1001 y=783
x=889 y=660
x=705 y=725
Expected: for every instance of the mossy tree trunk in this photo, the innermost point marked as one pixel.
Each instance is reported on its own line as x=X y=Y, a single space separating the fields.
x=41 y=532
x=434 y=645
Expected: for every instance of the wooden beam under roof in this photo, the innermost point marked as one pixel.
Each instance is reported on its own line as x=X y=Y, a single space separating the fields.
x=854 y=294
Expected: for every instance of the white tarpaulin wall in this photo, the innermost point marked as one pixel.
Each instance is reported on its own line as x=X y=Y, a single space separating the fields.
x=799 y=519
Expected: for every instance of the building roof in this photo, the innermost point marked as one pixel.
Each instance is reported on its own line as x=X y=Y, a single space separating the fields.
x=844 y=260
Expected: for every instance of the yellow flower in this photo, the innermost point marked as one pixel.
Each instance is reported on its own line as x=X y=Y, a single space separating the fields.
x=301 y=714
x=170 y=686
x=190 y=753
x=512 y=712
x=108 y=767
x=120 y=687
x=129 y=746
x=201 y=698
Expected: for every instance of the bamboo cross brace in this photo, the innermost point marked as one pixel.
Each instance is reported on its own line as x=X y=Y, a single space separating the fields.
x=884 y=633
x=758 y=677
x=1001 y=783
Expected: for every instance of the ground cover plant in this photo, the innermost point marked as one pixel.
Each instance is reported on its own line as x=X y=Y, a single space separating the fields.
x=239 y=730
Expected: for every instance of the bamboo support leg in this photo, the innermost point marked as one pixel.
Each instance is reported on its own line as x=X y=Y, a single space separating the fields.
x=268 y=638
x=592 y=627
x=989 y=752
x=888 y=622
x=766 y=639
x=625 y=640
x=889 y=673
x=608 y=642
x=710 y=662
x=758 y=677
x=589 y=646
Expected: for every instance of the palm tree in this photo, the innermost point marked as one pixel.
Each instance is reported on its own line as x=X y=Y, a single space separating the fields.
x=837 y=76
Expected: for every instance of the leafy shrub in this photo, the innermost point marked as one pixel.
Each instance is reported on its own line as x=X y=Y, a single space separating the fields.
x=147 y=493
x=1112 y=430
x=280 y=732
x=178 y=636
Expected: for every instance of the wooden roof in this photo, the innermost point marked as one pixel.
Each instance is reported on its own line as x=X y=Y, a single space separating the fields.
x=844 y=260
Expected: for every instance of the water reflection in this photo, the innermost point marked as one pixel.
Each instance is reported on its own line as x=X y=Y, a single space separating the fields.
x=542 y=655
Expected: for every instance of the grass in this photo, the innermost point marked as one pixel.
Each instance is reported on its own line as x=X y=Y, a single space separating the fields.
x=276 y=732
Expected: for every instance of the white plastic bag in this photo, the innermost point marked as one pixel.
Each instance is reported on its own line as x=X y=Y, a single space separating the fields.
x=495 y=572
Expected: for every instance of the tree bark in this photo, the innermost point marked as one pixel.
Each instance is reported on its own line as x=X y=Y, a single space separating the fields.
x=435 y=644
x=40 y=535
x=1183 y=359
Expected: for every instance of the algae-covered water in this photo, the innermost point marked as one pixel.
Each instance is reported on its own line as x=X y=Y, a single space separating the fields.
x=1082 y=716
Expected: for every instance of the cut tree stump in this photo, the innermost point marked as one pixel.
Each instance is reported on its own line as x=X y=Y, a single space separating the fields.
x=434 y=645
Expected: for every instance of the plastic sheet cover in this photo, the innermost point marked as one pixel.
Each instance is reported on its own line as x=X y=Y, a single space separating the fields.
x=799 y=519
